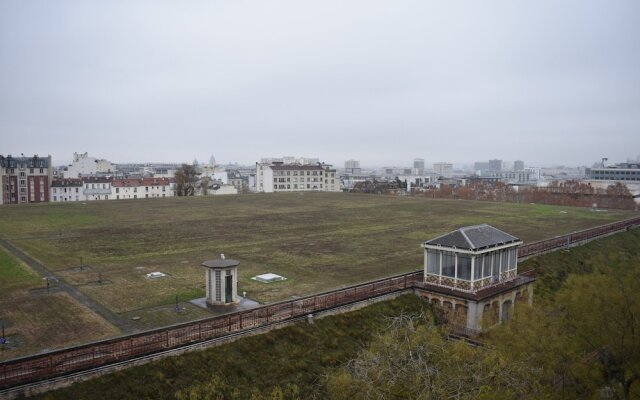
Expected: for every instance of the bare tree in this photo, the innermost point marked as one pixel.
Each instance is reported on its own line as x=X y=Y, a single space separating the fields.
x=186 y=178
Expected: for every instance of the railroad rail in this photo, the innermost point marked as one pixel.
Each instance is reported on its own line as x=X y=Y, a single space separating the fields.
x=90 y=356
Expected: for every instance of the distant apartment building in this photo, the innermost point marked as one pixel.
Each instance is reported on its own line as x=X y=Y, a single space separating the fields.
x=141 y=188
x=63 y=190
x=235 y=178
x=443 y=169
x=480 y=166
x=534 y=173
x=25 y=179
x=83 y=165
x=280 y=177
x=97 y=188
x=518 y=165
x=495 y=165
x=352 y=167
x=418 y=166
x=623 y=172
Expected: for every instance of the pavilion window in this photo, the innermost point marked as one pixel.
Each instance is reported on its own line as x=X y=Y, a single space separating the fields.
x=433 y=262
x=503 y=261
x=513 y=258
x=478 y=267
x=486 y=270
x=448 y=264
x=464 y=267
x=495 y=264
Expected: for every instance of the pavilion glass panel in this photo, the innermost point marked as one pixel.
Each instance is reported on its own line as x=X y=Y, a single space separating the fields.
x=477 y=272
x=495 y=263
x=433 y=261
x=504 y=257
x=464 y=267
x=486 y=271
x=448 y=264
x=513 y=258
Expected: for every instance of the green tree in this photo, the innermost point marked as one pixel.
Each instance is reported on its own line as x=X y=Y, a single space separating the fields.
x=586 y=337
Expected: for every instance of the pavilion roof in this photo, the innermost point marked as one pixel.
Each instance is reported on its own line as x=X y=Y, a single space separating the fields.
x=476 y=237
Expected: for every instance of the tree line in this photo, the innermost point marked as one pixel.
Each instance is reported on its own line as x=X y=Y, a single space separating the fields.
x=568 y=193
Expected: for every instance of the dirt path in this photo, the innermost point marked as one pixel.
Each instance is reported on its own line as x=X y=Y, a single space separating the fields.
x=122 y=323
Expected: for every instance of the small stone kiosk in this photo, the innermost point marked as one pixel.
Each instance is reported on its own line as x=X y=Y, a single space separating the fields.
x=472 y=273
x=222 y=281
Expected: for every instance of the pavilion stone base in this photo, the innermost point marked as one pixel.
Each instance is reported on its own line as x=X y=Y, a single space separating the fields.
x=470 y=314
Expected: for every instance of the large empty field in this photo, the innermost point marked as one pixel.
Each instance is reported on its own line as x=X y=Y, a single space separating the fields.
x=318 y=241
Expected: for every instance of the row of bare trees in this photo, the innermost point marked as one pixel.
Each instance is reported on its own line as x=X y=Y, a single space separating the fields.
x=569 y=193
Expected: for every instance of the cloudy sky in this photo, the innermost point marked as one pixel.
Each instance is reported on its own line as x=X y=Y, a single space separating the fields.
x=383 y=82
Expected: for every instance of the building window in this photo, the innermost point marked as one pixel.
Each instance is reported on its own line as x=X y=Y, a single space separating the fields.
x=218 y=286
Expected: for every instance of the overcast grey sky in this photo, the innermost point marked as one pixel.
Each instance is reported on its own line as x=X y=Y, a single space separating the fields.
x=383 y=82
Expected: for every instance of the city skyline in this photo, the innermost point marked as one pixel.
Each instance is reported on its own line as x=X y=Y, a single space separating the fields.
x=381 y=83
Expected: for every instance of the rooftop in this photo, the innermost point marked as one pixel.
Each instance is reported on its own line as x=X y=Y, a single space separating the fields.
x=291 y=167
x=66 y=182
x=220 y=263
x=476 y=237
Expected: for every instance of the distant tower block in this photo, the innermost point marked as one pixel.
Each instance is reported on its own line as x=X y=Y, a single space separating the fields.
x=222 y=281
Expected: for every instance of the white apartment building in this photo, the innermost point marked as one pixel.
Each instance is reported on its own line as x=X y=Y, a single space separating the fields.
x=84 y=165
x=145 y=188
x=280 y=177
x=63 y=190
x=97 y=188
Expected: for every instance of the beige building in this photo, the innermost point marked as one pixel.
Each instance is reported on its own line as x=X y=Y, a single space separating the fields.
x=280 y=177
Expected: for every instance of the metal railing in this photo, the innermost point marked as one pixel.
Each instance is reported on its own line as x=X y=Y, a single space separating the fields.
x=92 y=355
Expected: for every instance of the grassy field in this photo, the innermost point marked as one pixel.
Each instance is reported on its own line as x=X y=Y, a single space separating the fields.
x=35 y=320
x=319 y=241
